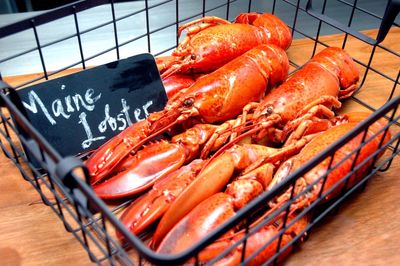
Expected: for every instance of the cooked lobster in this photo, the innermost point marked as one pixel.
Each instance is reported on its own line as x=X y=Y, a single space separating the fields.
x=213 y=211
x=311 y=92
x=211 y=42
x=311 y=86
x=335 y=177
x=218 y=96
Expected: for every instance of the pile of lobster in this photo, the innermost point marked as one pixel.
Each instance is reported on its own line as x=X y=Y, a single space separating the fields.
x=234 y=127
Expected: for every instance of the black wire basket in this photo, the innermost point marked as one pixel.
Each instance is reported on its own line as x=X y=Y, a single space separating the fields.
x=62 y=181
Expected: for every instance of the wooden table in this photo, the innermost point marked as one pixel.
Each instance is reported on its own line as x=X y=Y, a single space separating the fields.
x=365 y=231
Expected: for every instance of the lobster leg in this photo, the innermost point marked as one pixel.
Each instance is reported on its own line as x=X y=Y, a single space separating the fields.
x=308 y=127
x=321 y=106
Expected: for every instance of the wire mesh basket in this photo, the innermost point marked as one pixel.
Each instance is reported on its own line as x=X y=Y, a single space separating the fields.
x=126 y=29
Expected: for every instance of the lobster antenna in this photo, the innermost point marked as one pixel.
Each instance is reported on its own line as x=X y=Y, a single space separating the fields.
x=238 y=138
x=160 y=131
x=229 y=145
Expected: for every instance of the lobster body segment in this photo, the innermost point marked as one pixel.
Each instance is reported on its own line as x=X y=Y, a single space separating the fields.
x=218 y=96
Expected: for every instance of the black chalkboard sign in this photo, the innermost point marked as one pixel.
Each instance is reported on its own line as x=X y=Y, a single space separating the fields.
x=79 y=112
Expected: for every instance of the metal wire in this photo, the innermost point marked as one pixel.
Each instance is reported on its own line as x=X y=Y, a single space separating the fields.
x=94 y=231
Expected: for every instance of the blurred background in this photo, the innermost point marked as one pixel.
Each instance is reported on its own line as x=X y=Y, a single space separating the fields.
x=60 y=46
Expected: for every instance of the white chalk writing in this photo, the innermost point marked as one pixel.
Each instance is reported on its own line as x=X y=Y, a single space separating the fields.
x=83 y=105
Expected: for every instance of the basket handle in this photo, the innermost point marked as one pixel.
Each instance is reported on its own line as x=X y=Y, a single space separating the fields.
x=392 y=10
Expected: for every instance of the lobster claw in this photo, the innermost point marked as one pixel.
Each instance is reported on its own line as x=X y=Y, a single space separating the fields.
x=110 y=154
x=138 y=172
x=204 y=218
x=152 y=205
x=178 y=241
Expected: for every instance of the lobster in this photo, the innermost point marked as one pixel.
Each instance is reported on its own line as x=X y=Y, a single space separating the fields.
x=334 y=178
x=214 y=211
x=211 y=42
x=218 y=96
x=313 y=84
x=330 y=76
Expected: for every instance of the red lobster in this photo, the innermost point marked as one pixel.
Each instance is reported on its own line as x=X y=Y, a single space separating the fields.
x=218 y=96
x=214 y=211
x=215 y=42
x=331 y=75
x=305 y=95
x=339 y=169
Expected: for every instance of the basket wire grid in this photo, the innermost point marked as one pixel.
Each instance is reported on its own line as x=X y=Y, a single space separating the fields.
x=61 y=181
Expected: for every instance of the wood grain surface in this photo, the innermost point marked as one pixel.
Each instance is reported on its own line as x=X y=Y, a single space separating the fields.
x=365 y=231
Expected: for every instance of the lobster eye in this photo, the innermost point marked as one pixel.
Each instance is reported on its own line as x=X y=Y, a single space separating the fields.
x=188 y=102
x=193 y=56
x=270 y=109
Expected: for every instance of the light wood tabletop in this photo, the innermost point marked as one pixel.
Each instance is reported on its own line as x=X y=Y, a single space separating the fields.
x=365 y=231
